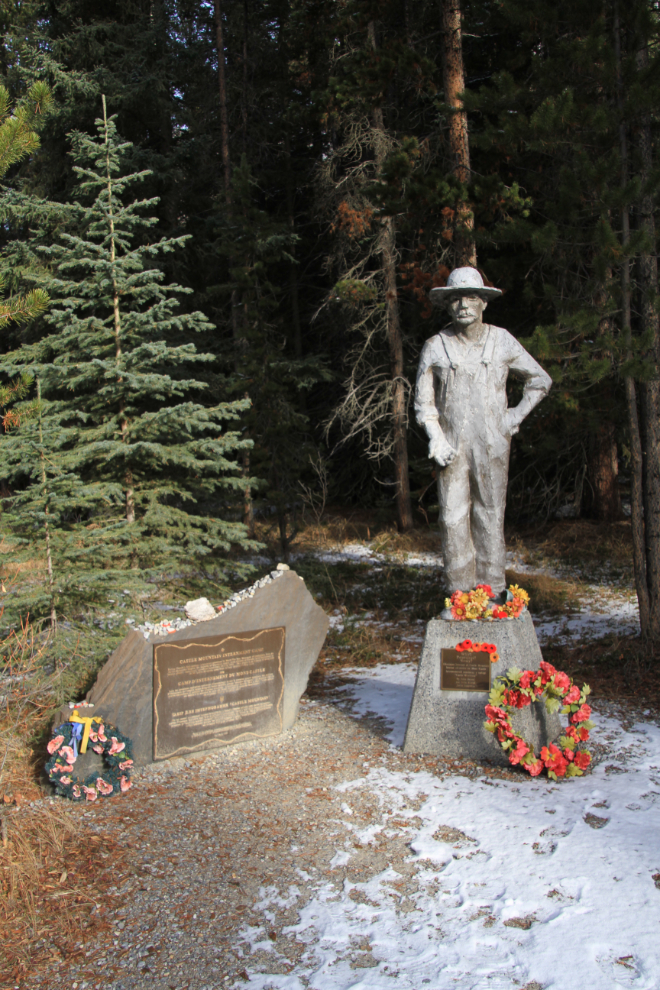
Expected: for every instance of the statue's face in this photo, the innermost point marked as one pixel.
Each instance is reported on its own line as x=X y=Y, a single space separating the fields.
x=466 y=310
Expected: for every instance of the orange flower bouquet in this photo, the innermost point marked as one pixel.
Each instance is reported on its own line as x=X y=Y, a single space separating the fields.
x=478 y=604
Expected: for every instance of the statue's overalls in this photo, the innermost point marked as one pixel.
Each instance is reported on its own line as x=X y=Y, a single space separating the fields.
x=461 y=394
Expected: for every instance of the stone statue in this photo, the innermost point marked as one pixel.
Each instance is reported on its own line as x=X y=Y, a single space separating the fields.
x=461 y=402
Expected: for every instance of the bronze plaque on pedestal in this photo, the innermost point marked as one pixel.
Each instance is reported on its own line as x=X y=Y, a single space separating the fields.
x=464 y=671
x=213 y=691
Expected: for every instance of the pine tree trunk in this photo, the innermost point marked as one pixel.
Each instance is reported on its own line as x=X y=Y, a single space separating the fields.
x=222 y=88
x=238 y=337
x=290 y=205
x=116 y=316
x=399 y=417
x=650 y=390
x=395 y=341
x=459 y=147
x=244 y=102
x=637 y=454
x=603 y=472
x=49 y=557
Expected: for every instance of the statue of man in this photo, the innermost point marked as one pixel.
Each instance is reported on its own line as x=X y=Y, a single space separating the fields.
x=461 y=402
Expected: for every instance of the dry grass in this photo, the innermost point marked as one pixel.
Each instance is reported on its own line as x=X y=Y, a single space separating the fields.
x=338 y=526
x=26 y=702
x=51 y=868
x=615 y=667
x=547 y=594
x=366 y=646
x=582 y=540
x=53 y=874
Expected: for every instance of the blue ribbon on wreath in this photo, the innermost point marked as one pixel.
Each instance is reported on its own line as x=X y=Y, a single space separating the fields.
x=76 y=736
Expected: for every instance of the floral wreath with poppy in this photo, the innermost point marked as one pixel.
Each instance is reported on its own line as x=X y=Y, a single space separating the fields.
x=477 y=604
x=107 y=741
x=517 y=689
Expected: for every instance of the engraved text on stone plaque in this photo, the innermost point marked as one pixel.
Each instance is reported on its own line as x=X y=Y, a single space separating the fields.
x=221 y=689
x=464 y=671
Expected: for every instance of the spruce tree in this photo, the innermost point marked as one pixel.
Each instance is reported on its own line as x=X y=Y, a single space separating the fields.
x=135 y=465
x=18 y=140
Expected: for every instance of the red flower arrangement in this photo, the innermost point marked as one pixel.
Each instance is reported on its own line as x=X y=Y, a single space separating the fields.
x=467 y=646
x=520 y=688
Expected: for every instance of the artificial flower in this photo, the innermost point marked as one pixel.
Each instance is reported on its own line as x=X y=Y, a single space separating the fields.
x=103 y=786
x=55 y=744
x=116 y=746
x=517 y=699
x=516 y=755
x=519 y=592
x=91 y=793
x=581 y=715
x=553 y=760
x=68 y=754
x=487 y=588
x=125 y=784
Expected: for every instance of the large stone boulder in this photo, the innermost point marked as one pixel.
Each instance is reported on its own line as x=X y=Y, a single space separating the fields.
x=123 y=692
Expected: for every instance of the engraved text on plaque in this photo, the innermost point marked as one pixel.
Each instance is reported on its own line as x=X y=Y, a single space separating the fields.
x=464 y=671
x=208 y=692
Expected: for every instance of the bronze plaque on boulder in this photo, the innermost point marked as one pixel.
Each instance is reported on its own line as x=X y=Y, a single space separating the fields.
x=208 y=692
x=464 y=671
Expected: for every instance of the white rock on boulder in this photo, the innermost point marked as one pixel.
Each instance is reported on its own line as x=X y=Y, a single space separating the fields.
x=200 y=610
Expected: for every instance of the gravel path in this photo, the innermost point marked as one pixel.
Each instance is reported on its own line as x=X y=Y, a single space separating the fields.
x=239 y=842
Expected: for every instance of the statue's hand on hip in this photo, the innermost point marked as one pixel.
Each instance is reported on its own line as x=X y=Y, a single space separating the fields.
x=512 y=422
x=441 y=451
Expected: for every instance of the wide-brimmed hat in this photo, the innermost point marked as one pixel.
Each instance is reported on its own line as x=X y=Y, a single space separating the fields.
x=465 y=282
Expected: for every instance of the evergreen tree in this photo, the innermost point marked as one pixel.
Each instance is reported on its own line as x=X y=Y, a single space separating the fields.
x=117 y=394
x=18 y=140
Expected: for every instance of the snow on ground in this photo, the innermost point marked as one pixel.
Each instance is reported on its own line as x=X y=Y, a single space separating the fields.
x=531 y=884
x=385 y=691
x=597 y=616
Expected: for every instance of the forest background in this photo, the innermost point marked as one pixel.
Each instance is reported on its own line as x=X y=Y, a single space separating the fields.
x=218 y=239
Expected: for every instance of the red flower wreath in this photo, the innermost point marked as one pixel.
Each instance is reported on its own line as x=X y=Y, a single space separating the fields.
x=518 y=689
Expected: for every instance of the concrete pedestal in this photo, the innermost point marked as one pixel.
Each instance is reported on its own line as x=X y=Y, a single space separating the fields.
x=450 y=723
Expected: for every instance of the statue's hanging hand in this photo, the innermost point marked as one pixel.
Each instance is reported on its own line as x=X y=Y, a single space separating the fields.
x=441 y=451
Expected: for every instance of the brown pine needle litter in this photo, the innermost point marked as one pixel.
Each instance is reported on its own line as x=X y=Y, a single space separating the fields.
x=54 y=878
x=53 y=873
